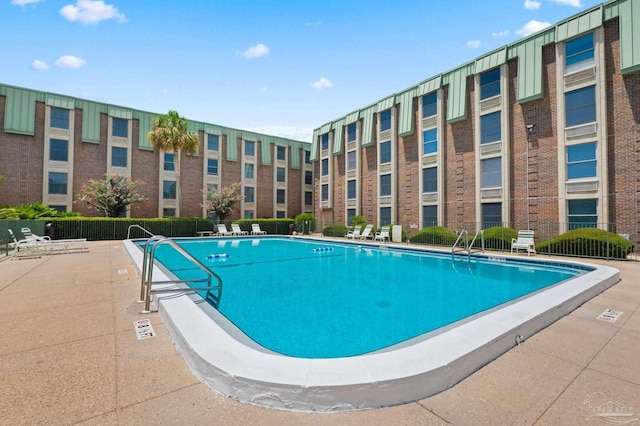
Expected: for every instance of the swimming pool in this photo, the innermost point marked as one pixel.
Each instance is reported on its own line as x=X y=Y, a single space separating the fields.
x=413 y=366
x=309 y=299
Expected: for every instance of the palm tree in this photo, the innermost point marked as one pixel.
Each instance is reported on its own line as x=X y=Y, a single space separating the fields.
x=170 y=134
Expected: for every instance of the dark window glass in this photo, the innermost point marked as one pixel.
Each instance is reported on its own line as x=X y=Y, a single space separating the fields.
x=168 y=212
x=118 y=156
x=351 y=132
x=325 y=141
x=430 y=141
x=120 y=127
x=307 y=157
x=491 y=127
x=583 y=213
x=579 y=53
x=308 y=177
x=248 y=194
x=490 y=84
x=57 y=183
x=213 y=142
x=429 y=216
x=491 y=172
x=385 y=216
x=212 y=166
x=248 y=170
x=169 y=190
x=308 y=198
x=580 y=106
x=280 y=196
x=281 y=174
x=351 y=189
x=430 y=179
x=385 y=120
x=351 y=160
x=581 y=161
x=325 y=167
x=385 y=185
x=491 y=215
x=281 y=153
x=59 y=118
x=58 y=150
x=249 y=148
x=429 y=105
x=325 y=192
x=385 y=152
x=168 y=161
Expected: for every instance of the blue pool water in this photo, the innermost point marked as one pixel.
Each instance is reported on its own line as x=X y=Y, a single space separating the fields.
x=308 y=299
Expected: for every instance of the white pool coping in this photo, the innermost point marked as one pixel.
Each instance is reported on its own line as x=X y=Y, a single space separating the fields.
x=227 y=361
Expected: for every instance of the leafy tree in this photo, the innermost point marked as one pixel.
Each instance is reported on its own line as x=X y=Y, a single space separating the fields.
x=111 y=195
x=170 y=134
x=221 y=202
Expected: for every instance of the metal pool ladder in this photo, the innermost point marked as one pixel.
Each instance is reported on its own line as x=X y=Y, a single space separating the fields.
x=468 y=246
x=147 y=282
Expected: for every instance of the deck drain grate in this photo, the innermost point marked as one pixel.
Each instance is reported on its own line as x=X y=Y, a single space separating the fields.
x=143 y=329
x=610 y=315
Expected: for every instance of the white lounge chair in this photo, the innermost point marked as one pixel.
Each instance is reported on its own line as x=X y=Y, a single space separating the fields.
x=524 y=242
x=33 y=241
x=355 y=233
x=235 y=230
x=27 y=243
x=255 y=229
x=383 y=235
x=222 y=230
x=366 y=233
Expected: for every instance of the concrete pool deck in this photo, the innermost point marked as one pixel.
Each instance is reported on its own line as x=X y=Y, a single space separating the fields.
x=69 y=354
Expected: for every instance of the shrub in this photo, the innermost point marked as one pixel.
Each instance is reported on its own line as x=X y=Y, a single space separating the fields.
x=435 y=235
x=587 y=242
x=270 y=225
x=336 y=230
x=497 y=238
x=358 y=220
x=305 y=223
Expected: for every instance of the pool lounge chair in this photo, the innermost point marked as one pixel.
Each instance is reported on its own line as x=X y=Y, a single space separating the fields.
x=367 y=232
x=27 y=243
x=46 y=244
x=222 y=230
x=235 y=230
x=524 y=242
x=355 y=233
x=382 y=235
x=255 y=229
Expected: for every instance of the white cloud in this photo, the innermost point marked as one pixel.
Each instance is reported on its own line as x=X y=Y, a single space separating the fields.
x=473 y=44
x=500 y=34
x=69 y=61
x=323 y=83
x=39 y=65
x=532 y=4
x=255 y=51
x=531 y=27
x=572 y=3
x=291 y=132
x=91 y=12
x=24 y=2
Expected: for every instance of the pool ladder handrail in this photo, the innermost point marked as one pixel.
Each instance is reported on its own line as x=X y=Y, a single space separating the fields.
x=139 y=227
x=147 y=273
x=468 y=246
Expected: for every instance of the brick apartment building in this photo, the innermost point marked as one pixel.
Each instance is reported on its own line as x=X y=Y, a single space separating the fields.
x=543 y=132
x=50 y=145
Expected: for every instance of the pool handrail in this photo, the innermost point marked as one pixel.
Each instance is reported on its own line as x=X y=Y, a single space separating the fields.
x=146 y=284
x=464 y=234
x=139 y=227
x=481 y=233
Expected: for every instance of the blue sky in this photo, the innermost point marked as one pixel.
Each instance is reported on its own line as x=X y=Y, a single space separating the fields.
x=279 y=67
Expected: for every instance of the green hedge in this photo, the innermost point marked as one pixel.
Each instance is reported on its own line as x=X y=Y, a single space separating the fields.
x=587 y=242
x=435 y=235
x=336 y=230
x=497 y=238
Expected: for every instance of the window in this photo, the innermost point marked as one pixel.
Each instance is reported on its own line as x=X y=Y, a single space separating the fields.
x=351 y=160
x=59 y=118
x=248 y=170
x=120 y=127
x=385 y=120
x=325 y=167
x=169 y=189
x=490 y=84
x=280 y=214
x=580 y=106
x=58 y=150
x=581 y=161
x=385 y=185
x=583 y=213
x=351 y=132
x=308 y=198
x=307 y=157
x=118 y=156
x=429 y=105
x=248 y=194
x=351 y=213
x=385 y=152
x=213 y=142
x=249 y=148
x=430 y=180
x=325 y=141
x=281 y=196
x=579 y=53
x=168 y=212
x=60 y=209
x=429 y=216
x=281 y=153
x=325 y=192
x=491 y=172
x=212 y=166
x=248 y=214
x=57 y=183
x=491 y=127
x=385 y=216
x=281 y=174
x=430 y=141
x=308 y=177
x=351 y=189
x=168 y=162
x=491 y=215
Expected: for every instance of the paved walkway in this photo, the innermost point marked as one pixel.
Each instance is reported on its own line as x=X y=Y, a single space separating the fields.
x=69 y=355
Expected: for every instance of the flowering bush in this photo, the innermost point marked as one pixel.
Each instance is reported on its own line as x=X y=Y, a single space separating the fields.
x=111 y=195
x=221 y=202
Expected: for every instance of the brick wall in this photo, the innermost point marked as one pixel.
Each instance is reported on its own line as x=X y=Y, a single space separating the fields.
x=409 y=175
